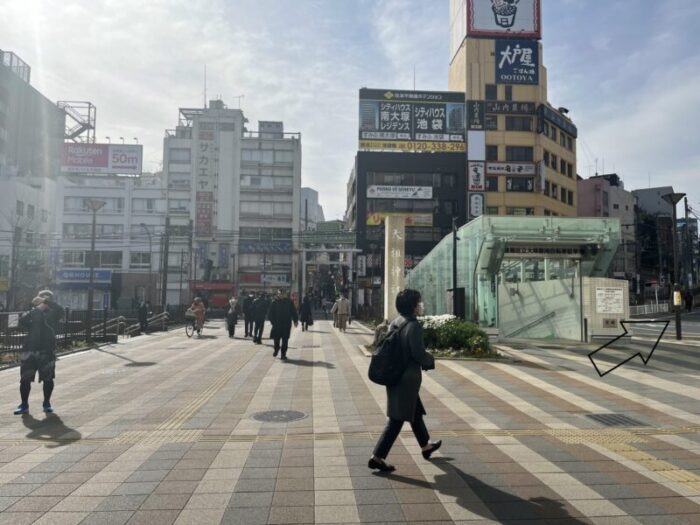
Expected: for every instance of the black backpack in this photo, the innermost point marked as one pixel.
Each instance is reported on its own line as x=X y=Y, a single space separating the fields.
x=388 y=363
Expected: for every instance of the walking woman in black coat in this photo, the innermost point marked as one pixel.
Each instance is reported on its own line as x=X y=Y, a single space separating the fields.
x=403 y=401
x=305 y=314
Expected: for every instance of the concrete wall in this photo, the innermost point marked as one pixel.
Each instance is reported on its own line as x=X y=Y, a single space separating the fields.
x=597 y=312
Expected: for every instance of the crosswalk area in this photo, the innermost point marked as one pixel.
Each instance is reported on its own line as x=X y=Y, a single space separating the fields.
x=165 y=429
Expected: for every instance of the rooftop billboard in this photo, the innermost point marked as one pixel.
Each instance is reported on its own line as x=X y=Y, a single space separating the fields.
x=504 y=18
x=114 y=159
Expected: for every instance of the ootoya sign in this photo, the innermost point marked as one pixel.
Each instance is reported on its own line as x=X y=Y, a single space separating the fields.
x=517 y=62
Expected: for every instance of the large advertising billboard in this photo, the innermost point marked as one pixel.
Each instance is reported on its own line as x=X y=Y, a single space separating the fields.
x=517 y=62
x=504 y=18
x=411 y=121
x=110 y=159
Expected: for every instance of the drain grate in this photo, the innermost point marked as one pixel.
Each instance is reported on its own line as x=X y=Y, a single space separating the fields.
x=279 y=416
x=616 y=420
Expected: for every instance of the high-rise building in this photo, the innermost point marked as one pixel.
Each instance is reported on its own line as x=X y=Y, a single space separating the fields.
x=31 y=126
x=233 y=203
x=311 y=212
x=520 y=144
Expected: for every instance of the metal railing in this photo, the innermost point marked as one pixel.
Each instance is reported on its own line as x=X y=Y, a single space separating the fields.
x=649 y=309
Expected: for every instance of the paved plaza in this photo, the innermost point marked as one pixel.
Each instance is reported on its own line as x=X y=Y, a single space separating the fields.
x=160 y=429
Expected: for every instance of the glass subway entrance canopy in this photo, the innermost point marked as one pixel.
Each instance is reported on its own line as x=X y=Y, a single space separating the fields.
x=522 y=275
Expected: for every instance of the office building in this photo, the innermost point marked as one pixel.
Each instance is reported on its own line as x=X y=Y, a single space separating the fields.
x=523 y=146
x=233 y=203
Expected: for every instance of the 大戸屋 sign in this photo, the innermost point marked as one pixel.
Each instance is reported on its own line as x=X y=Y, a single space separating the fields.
x=517 y=62
x=503 y=18
x=399 y=192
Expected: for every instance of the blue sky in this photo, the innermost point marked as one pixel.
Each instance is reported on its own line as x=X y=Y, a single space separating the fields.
x=628 y=70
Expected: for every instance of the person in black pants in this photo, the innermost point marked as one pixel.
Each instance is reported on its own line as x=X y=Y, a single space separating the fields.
x=38 y=354
x=248 y=317
x=282 y=313
x=305 y=314
x=260 y=308
x=403 y=401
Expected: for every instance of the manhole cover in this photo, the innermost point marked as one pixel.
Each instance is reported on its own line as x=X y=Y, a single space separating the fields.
x=279 y=416
x=616 y=420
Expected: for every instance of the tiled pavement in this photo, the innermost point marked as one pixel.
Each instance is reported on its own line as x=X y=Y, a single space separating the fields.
x=159 y=430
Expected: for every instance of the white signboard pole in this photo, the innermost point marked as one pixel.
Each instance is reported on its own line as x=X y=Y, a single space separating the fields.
x=394 y=254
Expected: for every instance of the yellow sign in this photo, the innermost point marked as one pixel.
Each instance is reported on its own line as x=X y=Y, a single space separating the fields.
x=677 y=299
x=412 y=146
x=410 y=219
x=4 y=284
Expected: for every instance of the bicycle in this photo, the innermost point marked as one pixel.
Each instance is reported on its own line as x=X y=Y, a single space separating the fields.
x=191 y=326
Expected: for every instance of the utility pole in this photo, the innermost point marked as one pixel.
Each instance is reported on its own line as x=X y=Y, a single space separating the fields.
x=182 y=259
x=166 y=250
x=94 y=206
x=192 y=266
x=455 y=298
x=689 y=252
x=673 y=199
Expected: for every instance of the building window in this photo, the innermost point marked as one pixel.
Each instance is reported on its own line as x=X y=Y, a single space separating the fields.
x=143 y=205
x=73 y=259
x=562 y=166
x=491 y=122
x=570 y=170
x=562 y=140
x=178 y=205
x=492 y=153
x=110 y=259
x=518 y=123
x=553 y=133
x=545 y=128
x=491 y=183
x=546 y=188
x=19 y=208
x=547 y=213
x=569 y=143
x=140 y=260
x=44 y=216
x=519 y=153
x=509 y=92
x=562 y=197
x=520 y=184
x=491 y=92
x=491 y=210
x=30 y=211
x=570 y=198
x=555 y=191
x=554 y=160
x=520 y=211
x=545 y=157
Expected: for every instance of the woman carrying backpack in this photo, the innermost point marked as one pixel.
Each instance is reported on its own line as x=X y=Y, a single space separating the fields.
x=403 y=401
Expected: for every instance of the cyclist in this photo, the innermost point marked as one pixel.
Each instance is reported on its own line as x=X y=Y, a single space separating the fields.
x=199 y=310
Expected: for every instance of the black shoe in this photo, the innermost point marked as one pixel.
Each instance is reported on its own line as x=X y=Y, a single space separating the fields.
x=433 y=448
x=284 y=358
x=380 y=465
x=274 y=354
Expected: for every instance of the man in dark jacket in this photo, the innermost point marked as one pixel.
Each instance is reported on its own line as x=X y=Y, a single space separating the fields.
x=38 y=354
x=282 y=313
x=403 y=400
x=54 y=314
x=260 y=307
x=248 y=314
x=143 y=310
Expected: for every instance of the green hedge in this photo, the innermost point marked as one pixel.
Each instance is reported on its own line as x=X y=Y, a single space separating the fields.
x=456 y=338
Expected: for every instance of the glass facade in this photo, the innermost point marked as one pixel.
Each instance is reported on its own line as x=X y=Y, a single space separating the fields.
x=519 y=273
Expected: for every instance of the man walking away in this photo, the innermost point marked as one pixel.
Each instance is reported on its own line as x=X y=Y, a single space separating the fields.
x=282 y=313
x=260 y=308
x=248 y=317
x=38 y=355
x=232 y=316
x=143 y=316
x=341 y=309
x=305 y=314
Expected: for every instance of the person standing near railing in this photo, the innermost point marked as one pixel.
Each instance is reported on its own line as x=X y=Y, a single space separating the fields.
x=38 y=354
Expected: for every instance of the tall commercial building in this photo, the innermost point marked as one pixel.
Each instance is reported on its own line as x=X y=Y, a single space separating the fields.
x=520 y=145
x=233 y=203
x=31 y=126
x=311 y=212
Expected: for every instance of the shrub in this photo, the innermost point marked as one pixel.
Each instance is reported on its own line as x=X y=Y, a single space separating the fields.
x=446 y=335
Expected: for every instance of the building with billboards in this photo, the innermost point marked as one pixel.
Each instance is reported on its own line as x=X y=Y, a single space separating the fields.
x=233 y=204
x=522 y=145
x=411 y=161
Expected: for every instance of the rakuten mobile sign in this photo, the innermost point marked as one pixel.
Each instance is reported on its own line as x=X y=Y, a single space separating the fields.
x=123 y=159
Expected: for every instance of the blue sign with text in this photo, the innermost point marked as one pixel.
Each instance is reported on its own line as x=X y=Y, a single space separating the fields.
x=517 y=62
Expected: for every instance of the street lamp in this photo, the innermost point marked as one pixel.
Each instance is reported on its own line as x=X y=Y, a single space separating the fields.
x=122 y=139
x=150 y=258
x=136 y=140
x=109 y=139
x=94 y=205
x=673 y=199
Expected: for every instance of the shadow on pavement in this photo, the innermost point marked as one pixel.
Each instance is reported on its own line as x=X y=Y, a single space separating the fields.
x=490 y=502
x=52 y=429
x=304 y=362
x=131 y=362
